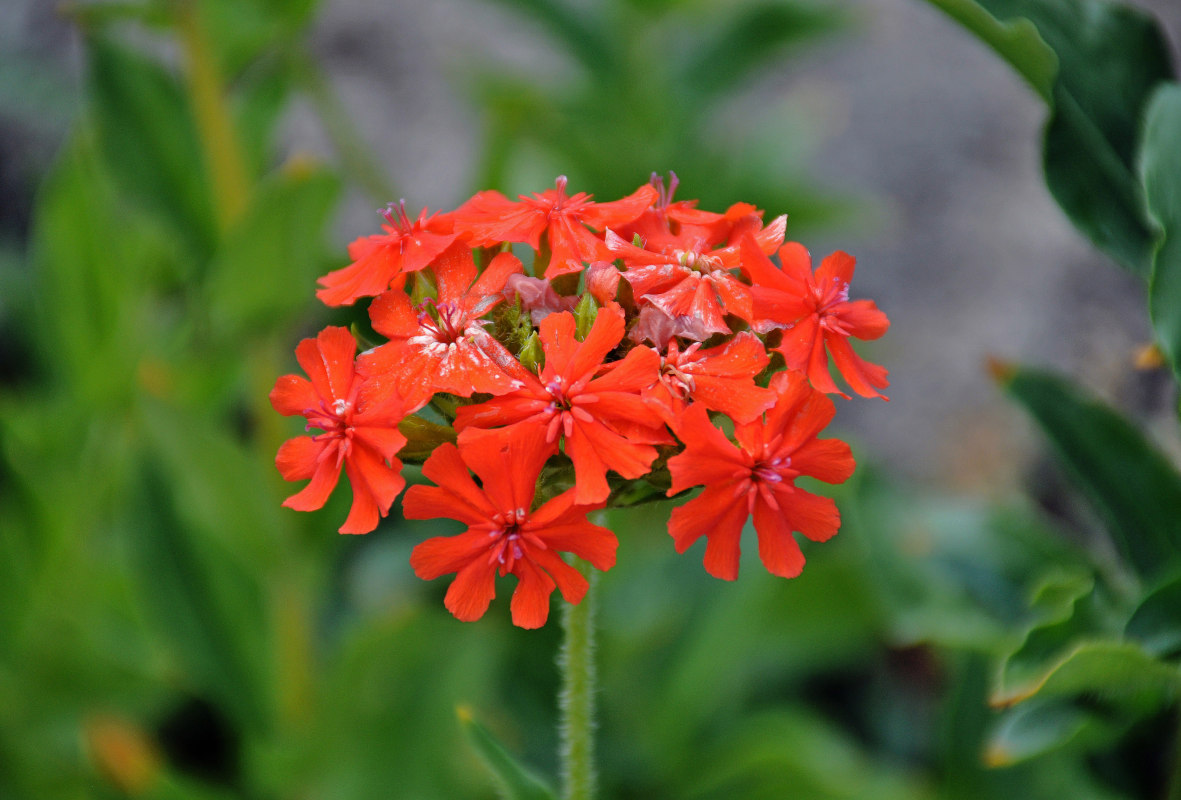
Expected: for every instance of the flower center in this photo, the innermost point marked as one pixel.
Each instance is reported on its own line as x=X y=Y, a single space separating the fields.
x=444 y=322
x=395 y=215
x=566 y=406
x=509 y=544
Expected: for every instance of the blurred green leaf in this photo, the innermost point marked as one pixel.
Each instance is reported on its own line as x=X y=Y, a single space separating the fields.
x=796 y=754
x=1015 y=40
x=1068 y=614
x=1132 y=486
x=1156 y=622
x=748 y=39
x=147 y=135
x=1119 y=672
x=1042 y=726
x=1160 y=170
x=514 y=781
x=94 y=263
x=199 y=592
x=1111 y=58
x=266 y=268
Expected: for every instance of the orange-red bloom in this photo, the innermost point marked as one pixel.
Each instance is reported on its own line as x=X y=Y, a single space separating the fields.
x=720 y=378
x=815 y=312
x=757 y=478
x=690 y=283
x=442 y=346
x=602 y=421
x=359 y=424
x=381 y=261
x=491 y=218
x=505 y=534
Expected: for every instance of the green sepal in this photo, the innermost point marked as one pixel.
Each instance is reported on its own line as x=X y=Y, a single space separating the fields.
x=584 y=315
x=531 y=354
x=422 y=437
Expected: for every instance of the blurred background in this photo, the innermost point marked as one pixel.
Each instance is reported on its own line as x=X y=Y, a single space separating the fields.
x=174 y=176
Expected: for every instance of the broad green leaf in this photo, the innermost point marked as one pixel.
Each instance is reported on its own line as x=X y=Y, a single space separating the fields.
x=514 y=780
x=148 y=138
x=1160 y=170
x=1129 y=483
x=219 y=490
x=1122 y=673
x=200 y=601
x=1015 y=40
x=1068 y=612
x=1156 y=622
x=1041 y=726
x=267 y=266
x=93 y=263
x=1110 y=59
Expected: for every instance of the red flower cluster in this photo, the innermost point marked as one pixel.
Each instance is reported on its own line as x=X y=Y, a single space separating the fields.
x=593 y=378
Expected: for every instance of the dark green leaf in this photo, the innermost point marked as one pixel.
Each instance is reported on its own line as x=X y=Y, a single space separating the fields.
x=1110 y=60
x=1160 y=169
x=149 y=140
x=1132 y=486
x=201 y=603
x=1015 y=40
x=515 y=781
x=1156 y=622
x=1041 y=726
x=1118 y=672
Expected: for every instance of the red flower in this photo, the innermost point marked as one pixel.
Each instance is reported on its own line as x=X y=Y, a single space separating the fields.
x=602 y=421
x=693 y=284
x=442 y=346
x=504 y=535
x=720 y=378
x=380 y=261
x=359 y=421
x=815 y=312
x=757 y=478
x=491 y=218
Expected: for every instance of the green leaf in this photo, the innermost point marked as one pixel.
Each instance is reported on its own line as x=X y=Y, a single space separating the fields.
x=1015 y=40
x=201 y=603
x=147 y=134
x=1156 y=622
x=1160 y=171
x=267 y=266
x=1110 y=59
x=1130 y=484
x=515 y=781
x=1042 y=726
x=1122 y=673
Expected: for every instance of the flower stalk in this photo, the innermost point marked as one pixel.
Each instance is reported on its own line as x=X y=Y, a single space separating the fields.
x=576 y=703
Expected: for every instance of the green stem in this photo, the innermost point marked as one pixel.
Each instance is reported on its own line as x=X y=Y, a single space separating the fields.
x=577 y=701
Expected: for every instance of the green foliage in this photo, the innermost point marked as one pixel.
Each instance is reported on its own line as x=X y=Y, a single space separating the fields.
x=1160 y=171
x=515 y=781
x=1131 y=485
x=1110 y=59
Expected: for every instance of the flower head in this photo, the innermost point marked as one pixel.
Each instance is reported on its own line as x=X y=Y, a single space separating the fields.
x=358 y=420
x=757 y=478
x=505 y=534
x=815 y=312
x=381 y=261
x=491 y=218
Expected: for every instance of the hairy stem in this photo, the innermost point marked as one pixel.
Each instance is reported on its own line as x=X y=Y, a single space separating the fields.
x=577 y=701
